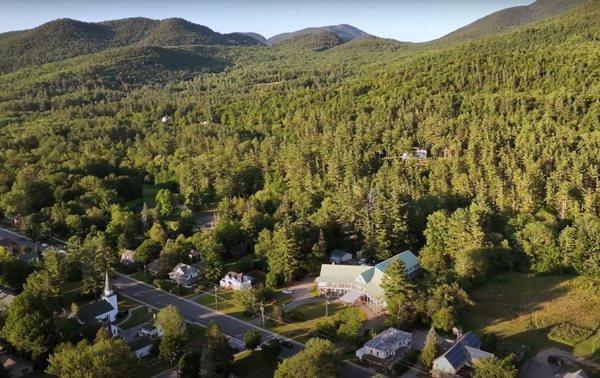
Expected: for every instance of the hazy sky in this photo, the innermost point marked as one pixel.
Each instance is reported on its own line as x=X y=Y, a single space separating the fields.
x=405 y=20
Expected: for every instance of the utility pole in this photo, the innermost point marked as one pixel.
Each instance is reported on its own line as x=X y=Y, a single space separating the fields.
x=262 y=313
x=326 y=305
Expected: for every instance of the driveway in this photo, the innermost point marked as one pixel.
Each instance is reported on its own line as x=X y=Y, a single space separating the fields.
x=196 y=313
x=538 y=366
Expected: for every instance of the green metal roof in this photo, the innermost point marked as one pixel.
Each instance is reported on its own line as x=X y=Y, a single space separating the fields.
x=372 y=275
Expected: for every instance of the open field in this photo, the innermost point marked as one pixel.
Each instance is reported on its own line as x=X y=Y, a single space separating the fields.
x=522 y=309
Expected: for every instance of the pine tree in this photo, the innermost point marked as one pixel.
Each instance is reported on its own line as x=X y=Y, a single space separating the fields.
x=429 y=351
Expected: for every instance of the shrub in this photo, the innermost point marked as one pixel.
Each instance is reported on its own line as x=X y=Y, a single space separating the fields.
x=252 y=339
x=569 y=333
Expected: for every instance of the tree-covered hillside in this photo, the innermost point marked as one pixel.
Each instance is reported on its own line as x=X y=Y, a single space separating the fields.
x=482 y=156
x=66 y=38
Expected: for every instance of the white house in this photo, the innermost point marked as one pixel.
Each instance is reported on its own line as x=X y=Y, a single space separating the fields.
x=184 y=274
x=356 y=282
x=460 y=357
x=338 y=256
x=236 y=281
x=385 y=348
x=127 y=257
x=103 y=311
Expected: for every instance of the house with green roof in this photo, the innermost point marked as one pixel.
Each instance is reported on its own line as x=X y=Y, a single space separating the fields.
x=362 y=282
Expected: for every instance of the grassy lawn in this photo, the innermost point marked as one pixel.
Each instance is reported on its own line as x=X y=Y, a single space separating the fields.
x=224 y=304
x=127 y=304
x=308 y=316
x=522 y=309
x=72 y=286
x=252 y=364
x=137 y=317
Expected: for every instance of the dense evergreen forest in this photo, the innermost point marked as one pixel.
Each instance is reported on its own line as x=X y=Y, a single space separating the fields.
x=299 y=148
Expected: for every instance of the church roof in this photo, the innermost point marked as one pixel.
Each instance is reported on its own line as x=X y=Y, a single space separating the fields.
x=92 y=310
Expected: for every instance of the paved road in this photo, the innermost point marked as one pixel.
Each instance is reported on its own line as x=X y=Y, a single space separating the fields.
x=196 y=313
x=19 y=239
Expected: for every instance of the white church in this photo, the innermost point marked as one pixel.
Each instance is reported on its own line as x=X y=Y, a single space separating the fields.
x=104 y=310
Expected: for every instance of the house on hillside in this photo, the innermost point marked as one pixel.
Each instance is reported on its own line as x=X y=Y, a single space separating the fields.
x=460 y=358
x=339 y=256
x=103 y=311
x=361 y=282
x=184 y=275
x=385 y=349
x=236 y=281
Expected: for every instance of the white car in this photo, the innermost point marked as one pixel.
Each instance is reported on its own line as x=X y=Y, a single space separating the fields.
x=287 y=292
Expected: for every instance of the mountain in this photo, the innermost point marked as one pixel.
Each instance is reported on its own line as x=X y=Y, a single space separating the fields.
x=256 y=36
x=510 y=18
x=66 y=38
x=344 y=31
x=317 y=41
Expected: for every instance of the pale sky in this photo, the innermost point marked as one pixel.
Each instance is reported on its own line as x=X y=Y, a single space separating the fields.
x=404 y=20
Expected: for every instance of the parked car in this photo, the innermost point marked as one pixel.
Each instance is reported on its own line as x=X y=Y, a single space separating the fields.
x=555 y=360
x=286 y=343
x=287 y=292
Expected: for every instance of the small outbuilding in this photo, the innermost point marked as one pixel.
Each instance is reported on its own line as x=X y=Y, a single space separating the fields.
x=339 y=256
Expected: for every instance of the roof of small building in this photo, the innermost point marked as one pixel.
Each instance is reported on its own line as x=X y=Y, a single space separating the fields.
x=140 y=342
x=387 y=339
x=576 y=374
x=466 y=349
x=339 y=253
x=148 y=327
x=236 y=276
x=90 y=311
x=127 y=253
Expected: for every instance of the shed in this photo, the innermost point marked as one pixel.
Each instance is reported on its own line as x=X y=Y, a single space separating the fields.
x=339 y=256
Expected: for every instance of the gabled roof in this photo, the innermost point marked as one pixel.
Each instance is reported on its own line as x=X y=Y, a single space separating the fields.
x=371 y=275
x=408 y=258
x=183 y=269
x=90 y=311
x=464 y=351
x=341 y=273
x=339 y=253
x=140 y=342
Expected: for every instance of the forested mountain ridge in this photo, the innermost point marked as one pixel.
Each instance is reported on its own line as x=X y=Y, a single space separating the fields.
x=66 y=38
x=507 y=19
x=344 y=31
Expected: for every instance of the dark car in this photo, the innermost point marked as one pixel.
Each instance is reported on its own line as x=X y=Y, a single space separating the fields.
x=552 y=360
x=286 y=343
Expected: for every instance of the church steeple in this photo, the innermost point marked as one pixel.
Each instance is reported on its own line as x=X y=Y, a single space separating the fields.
x=107 y=290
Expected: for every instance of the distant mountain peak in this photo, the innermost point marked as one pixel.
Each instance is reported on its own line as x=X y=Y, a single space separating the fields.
x=344 y=31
